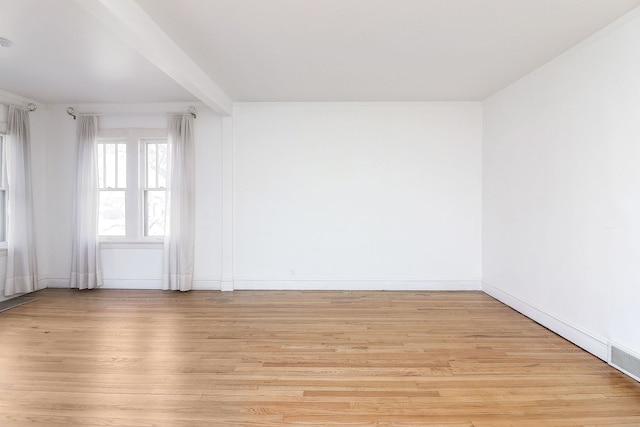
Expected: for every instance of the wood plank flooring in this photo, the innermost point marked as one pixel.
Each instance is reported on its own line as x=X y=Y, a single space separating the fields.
x=265 y=359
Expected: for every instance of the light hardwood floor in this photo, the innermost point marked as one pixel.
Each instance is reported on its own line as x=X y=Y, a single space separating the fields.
x=152 y=358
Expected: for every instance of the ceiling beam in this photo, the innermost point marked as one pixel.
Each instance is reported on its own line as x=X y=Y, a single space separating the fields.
x=128 y=20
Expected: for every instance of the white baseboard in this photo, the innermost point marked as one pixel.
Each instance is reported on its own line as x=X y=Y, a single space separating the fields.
x=279 y=284
x=206 y=285
x=227 y=285
x=198 y=284
x=131 y=284
x=55 y=282
x=590 y=342
x=357 y=285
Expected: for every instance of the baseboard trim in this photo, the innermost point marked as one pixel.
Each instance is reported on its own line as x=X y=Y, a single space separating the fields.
x=206 y=285
x=55 y=282
x=357 y=285
x=131 y=284
x=227 y=285
x=198 y=284
x=588 y=341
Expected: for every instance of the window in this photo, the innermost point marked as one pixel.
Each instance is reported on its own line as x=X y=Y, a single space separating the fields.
x=4 y=191
x=112 y=182
x=154 y=164
x=132 y=168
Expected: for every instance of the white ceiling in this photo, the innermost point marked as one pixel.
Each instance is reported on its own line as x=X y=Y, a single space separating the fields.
x=62 y=54
x=295 y=50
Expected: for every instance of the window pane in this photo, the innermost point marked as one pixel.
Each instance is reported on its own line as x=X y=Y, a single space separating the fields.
x=154 y=212
x=111 y=219
x=110 y=165
x=162 y=165
x=122 y=166
x=151 y=165
x=100 y=165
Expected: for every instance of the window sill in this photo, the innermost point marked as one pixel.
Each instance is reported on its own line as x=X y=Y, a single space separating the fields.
x=131 y=244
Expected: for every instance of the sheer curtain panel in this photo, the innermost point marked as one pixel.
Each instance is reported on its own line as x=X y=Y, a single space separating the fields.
x=180 y=210
x=85 y=256
x=21 y=273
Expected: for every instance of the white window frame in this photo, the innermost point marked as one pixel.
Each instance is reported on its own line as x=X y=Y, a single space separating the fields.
x=118 y=187
x=134 y=193
x=144 y=179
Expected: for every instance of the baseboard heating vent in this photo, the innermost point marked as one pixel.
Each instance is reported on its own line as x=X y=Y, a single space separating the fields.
x=15 y=302
x=625 y=361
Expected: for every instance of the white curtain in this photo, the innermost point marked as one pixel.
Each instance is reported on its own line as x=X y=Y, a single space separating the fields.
x=21 y=273
x=180 y=209
x=85 y=256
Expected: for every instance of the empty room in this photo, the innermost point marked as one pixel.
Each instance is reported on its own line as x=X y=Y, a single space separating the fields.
x=319 y=213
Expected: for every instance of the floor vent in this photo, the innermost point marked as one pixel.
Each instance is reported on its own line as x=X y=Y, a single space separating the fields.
x=625 y=361
x=15 y=302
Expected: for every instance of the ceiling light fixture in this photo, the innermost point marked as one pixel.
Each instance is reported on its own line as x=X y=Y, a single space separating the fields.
x=5 y=42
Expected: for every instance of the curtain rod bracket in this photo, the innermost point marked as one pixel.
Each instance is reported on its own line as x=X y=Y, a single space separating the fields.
x=71 y=112
x=192 y=110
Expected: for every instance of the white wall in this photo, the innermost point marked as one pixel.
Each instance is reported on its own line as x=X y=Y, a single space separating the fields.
x=561 y=191
x=357 y=195
x=131 y=265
